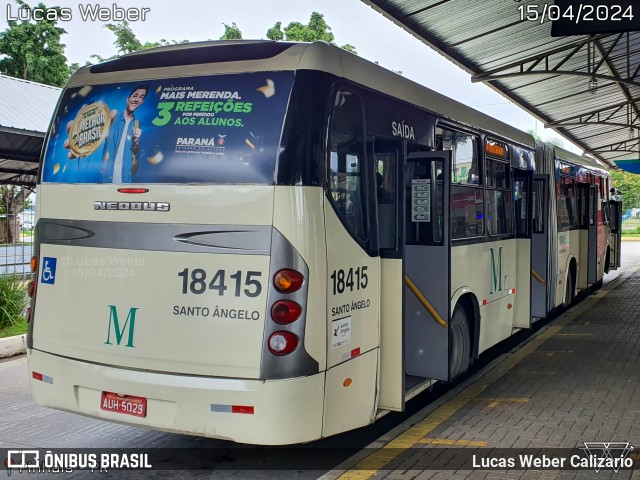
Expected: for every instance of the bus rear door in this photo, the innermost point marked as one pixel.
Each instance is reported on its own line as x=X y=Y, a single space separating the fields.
x=615 y=216
x=427 y=264
x=540 y=247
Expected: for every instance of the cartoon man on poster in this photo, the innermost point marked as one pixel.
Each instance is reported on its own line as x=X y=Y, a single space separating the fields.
x=120 y=132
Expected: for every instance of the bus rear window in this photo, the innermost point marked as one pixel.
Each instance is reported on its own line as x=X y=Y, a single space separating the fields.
x=206 y=129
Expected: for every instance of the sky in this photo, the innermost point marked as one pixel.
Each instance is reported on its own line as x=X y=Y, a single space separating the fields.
x=375 y=38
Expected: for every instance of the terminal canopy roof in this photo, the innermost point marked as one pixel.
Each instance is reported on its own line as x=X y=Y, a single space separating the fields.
x=25 y=111
x=586 y=87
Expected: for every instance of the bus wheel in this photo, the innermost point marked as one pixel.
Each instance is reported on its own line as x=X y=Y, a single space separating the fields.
x=570 y=294
x=460 y=343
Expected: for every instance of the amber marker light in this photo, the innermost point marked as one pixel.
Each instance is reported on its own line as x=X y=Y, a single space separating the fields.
x=287 y=280
x=347 y=382
x=34 y=263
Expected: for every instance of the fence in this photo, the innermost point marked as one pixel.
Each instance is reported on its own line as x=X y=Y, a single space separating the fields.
x=16 y=243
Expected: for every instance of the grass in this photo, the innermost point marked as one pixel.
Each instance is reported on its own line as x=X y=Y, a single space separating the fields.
x=13 y=301
x=18 y=328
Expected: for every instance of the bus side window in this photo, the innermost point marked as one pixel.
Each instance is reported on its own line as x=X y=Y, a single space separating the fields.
x=346 y=162
x=467 y=202
x=538 y=206
x=385 y=160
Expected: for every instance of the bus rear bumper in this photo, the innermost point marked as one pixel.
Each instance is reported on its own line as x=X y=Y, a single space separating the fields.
x=284 y=411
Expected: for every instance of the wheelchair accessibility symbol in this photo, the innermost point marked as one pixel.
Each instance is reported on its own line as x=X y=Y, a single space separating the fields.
x=48 y=270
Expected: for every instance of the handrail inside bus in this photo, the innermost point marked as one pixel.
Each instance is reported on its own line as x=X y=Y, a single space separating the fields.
x=537 y=277
x=425 y=302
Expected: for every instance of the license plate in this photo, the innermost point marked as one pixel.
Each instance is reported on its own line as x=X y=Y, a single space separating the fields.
x=127 y=404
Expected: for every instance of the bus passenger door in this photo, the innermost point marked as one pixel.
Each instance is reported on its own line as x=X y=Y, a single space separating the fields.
x=522 y=202
x=615 y=217
x=426 y=265
x=388 y=159
x=540 y=246
x=592 y=255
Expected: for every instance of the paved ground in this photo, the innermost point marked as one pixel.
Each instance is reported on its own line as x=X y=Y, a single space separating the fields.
x=577 y=381
x=579 y=384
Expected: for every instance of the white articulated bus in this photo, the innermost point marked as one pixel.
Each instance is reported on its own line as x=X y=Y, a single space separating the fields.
x=276 y=242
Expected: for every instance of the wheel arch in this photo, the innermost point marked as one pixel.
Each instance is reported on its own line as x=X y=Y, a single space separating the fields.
x=466 y=297
x=571 y=270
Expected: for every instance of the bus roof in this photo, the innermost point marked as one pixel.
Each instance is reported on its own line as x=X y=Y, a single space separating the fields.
x=581 y=160
x=206 y=58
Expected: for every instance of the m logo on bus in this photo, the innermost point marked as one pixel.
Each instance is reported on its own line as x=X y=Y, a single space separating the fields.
x=129 y=325
x=496 y=273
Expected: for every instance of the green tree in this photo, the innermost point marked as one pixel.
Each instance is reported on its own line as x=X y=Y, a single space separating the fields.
x=231 y=32
x=13 y=199
x=275 y=32
x=33 y=49
x=126 y=41
x=629 y=185
x=556 y=141
x=316 y=30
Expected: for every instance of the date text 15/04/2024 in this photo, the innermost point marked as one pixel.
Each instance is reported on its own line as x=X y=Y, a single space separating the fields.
x=577 y=12
x=87 y=11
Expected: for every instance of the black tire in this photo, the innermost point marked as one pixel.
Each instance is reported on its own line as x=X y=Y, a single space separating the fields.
x=606 y=262
x=570 y=291
x=459 y=343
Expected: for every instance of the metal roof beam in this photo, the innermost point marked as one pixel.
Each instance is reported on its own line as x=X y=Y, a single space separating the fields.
x=485 y=77
x=21 y=180
x=424 y=9
x=621 y=85
x=612 y=124
x=623 y=146
x=18 y=157
x=572 y=48
x=605 y=55
x=18 y=171
x=590 y=114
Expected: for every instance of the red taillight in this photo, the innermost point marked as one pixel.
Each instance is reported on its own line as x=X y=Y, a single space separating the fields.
x=34 y=263
x=133 y=190
x=282 y=343
x=285 y=311
x=287 y=280
x=31 y=288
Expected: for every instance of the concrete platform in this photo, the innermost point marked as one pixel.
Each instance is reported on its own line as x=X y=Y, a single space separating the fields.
x=11 y=346
x=577 y=380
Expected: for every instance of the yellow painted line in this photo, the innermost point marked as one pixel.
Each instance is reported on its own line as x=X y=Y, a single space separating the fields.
x=575 y=334
x=535 y=372
x=446 y=441
x=370 y=465
x=504 y=399
x=424 y=302
x=494 y=402
x=537 y=277
x=555 y=351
